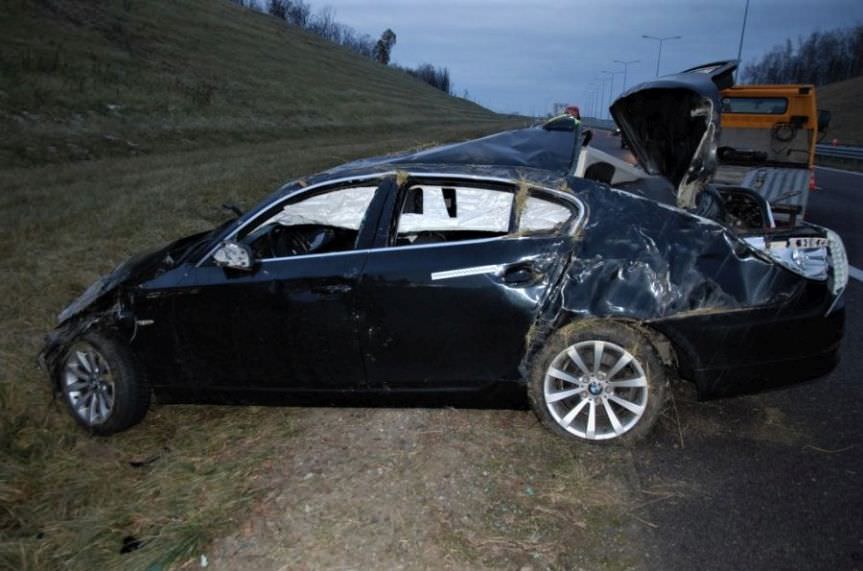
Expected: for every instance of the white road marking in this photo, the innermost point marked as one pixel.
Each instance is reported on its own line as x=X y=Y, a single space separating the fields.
x=858 y=173
x=855 y=273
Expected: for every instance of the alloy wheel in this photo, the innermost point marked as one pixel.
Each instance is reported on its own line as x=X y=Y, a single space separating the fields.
x=596 y=390
x=88 y=384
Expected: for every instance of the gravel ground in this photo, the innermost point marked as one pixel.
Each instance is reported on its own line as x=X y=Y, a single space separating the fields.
x=438 y=488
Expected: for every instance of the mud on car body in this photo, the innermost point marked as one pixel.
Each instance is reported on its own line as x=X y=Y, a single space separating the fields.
x=505 y=262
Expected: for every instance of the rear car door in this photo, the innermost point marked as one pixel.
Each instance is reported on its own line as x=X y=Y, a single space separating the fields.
x=452 y=288
x=290 y=323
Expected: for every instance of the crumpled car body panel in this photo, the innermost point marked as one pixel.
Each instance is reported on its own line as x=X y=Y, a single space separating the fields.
x=736 y=321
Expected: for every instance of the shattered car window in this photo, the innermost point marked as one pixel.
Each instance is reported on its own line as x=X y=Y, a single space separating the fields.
x=320 y=224
x=340 y=209
x=542 y=215
x=445 y=214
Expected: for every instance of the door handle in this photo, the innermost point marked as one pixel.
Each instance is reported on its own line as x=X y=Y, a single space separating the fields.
x=521 y=273
x=332 y=289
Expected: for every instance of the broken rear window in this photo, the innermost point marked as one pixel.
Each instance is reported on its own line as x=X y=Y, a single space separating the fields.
x=541 y=214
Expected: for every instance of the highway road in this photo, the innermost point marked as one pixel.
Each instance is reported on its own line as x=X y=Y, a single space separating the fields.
x=769 y=481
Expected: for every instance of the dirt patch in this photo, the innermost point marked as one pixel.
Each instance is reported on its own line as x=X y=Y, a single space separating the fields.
x=749 y=417
x=443 y=488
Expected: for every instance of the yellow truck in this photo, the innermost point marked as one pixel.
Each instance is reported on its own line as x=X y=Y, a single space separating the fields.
x=767 y=143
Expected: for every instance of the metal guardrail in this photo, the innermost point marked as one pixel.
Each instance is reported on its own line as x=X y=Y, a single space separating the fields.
x=839 y=152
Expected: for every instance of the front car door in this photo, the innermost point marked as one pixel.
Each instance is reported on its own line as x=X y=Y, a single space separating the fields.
x=450 y=293
x=289 y=324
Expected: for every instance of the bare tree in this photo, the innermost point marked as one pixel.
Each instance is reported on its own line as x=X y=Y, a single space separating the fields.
x=298 y=13
x=823 y=57
x=324 y=24
x=278 y=8
x=436 y=77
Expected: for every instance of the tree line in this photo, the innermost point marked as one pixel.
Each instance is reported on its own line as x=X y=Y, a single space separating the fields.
x=821 y=58
x=323 y=23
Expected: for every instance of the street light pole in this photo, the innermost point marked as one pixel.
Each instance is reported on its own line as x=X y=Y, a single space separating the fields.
x=743 y=31
x=598 y=94
x=611 y=88
x=660 y=40
x=626 y=65
x=610 y=85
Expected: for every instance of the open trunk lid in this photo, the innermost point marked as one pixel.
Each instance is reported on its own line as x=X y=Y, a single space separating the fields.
x=672 y=125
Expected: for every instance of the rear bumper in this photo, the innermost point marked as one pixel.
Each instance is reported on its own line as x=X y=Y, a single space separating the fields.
x=753 y=350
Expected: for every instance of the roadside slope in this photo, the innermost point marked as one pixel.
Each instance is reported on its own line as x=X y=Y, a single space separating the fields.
x=843 y=100
x=83 y=80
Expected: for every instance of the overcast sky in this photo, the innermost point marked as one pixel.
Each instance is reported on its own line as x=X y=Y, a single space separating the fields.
x=524 y=55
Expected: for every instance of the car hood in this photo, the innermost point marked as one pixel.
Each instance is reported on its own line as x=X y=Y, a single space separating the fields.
x=135 y=270
x=672 y=125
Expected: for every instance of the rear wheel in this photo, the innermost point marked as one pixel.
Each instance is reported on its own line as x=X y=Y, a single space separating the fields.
x=601 y=383
x=102 y=384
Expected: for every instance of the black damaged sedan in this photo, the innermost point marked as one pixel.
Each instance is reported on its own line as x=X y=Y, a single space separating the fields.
x=525 y=260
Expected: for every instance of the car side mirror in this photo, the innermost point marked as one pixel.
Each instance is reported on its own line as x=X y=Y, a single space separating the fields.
x=235 y=255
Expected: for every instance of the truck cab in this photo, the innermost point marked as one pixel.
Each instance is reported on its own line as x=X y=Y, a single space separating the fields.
x=767 y=144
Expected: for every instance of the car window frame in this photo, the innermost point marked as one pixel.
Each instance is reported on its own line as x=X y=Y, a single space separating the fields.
x=387 y=199
x=569 y=201
x=269 y=213
x=242 y=230
x=410 y=183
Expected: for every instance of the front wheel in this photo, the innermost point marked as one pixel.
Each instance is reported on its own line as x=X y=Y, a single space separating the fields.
x=102 y=384
x=601 y=383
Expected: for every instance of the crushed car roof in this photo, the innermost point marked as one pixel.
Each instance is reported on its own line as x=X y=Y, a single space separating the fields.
x=542 y=154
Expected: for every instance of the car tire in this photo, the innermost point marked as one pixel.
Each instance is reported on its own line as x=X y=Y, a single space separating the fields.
x=625 y=394
x=102 y=384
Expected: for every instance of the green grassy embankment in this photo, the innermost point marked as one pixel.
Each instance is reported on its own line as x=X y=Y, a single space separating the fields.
x=82 y=80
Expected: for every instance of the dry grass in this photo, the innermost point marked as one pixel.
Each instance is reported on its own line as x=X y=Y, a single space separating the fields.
x=66 y=499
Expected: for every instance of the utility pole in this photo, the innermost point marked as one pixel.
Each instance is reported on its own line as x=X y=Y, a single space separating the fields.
x=626 y=65
x=660 y=40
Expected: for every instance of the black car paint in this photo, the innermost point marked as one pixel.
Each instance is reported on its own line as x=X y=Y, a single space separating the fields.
x=388 y=327
x=374 y=320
